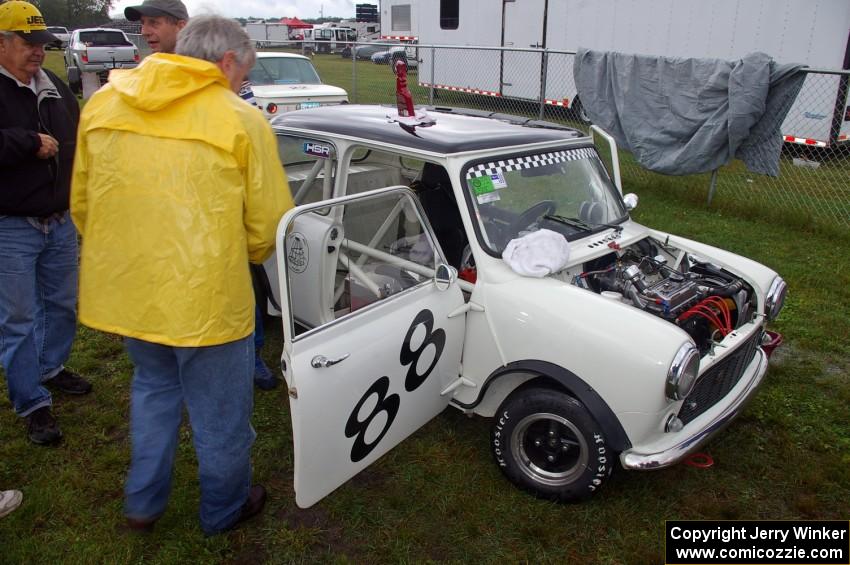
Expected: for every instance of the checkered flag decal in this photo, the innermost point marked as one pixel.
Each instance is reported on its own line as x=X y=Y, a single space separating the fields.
x=531 y=161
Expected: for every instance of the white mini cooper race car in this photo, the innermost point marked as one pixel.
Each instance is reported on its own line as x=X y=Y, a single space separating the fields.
x=397 y=302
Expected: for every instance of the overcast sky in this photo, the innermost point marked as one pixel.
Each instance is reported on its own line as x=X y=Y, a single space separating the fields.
x=259 y=8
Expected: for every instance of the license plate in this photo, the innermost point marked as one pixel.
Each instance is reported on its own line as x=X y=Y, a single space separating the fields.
x=309 y=105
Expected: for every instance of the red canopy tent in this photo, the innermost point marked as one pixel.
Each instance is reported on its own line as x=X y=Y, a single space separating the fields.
x=295 y=23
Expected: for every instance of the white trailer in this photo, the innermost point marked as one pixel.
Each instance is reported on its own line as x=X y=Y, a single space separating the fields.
x=812 y=32
x=264 y=33
x=399 y=20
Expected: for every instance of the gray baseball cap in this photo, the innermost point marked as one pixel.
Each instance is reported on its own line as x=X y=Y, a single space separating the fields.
x=154 y=8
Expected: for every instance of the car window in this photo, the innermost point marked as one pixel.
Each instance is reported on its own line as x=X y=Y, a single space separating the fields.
x=57 y=30
x=354 y=255
x=103 y=38
x=283 y=70
x=310 y=166
x=370 y=168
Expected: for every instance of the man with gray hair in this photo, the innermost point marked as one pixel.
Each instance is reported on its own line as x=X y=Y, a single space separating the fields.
x=177 y=185
x=161 y=21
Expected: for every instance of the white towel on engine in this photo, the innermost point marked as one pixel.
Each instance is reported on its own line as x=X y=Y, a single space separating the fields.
x=537 y=254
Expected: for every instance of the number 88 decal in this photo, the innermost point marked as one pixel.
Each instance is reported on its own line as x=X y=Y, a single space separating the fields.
x=389 y=403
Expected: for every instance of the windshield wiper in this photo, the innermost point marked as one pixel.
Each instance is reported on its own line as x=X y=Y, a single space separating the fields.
x=572 y=222
x=581 y=224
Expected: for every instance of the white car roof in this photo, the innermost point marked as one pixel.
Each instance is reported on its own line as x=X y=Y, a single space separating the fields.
x=279 y=55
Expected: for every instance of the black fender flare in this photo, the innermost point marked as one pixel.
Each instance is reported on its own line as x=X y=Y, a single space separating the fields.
x=575 y=385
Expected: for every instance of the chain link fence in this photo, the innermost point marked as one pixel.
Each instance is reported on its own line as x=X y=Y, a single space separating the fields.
x=140 y=43
x=814 y=181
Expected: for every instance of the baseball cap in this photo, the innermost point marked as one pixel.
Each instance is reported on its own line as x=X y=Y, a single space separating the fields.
x=24 y=19
x=154 y=8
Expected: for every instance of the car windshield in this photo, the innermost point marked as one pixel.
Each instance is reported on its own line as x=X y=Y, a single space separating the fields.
x=567 y=191
x=283 y=70
x=57 y=30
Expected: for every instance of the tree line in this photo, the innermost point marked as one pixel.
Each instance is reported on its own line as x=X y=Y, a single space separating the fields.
x=74 y=13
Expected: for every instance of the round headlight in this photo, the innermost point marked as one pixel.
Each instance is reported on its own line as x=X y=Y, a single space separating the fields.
x=683 y=372
x=775 y=298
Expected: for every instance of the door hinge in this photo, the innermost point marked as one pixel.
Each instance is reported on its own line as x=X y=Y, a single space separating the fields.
x=457 y=383
x=464 y=308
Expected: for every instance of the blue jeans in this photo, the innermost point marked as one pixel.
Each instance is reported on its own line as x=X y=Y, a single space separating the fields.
x=215 y=384
x=38 y=304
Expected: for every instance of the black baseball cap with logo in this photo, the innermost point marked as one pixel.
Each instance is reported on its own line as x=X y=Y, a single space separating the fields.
x=155 y=8
x=24 y=19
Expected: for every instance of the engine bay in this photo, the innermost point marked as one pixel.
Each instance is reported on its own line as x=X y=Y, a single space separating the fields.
x=703 y=299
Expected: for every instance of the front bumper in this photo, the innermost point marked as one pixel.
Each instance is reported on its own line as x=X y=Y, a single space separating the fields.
x=665 y=453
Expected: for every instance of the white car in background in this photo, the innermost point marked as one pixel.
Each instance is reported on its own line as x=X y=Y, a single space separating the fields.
x=283 y=82
x=61 y=34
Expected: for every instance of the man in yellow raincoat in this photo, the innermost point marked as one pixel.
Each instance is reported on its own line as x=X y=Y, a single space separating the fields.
x=177 y=184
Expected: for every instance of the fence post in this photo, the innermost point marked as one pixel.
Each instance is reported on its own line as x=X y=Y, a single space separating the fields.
x=433 y=64
x=712 y=187
x=543 y=75
x=354 y=72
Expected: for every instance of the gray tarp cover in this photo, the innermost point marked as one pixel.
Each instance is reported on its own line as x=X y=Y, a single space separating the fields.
x=684 y=116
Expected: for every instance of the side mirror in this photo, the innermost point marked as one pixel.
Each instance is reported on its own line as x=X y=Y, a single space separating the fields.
x=444 y=277
x=631 y=201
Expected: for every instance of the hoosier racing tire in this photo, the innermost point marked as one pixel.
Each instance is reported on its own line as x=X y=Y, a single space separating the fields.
x=547 y=443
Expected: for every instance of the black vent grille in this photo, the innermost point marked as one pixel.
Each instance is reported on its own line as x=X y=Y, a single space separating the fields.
x=719 y=380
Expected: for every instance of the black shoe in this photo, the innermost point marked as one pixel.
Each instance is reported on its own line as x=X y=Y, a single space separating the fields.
x=271 y=383
x=141 y=526
x=69 y=382
x=42 y=427
x=253 y=506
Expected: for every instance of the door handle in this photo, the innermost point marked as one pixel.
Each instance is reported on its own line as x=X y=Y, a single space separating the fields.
x=320 y=361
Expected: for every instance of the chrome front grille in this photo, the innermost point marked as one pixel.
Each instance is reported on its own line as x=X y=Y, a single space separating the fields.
x=719 y=380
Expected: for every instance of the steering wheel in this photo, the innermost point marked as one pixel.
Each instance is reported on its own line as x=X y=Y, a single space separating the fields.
x=531 y=215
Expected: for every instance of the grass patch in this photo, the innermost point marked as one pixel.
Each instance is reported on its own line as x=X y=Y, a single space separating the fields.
x=438 y=496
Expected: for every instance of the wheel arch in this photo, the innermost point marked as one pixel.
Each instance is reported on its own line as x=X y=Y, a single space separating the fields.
x=520 y=375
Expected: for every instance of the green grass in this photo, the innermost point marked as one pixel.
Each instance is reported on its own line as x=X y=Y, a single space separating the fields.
x=438 y=496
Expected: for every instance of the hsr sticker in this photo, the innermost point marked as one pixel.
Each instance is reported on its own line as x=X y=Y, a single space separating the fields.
x=317 y=150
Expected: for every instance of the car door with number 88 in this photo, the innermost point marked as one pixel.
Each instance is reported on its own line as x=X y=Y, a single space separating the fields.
x=371 y=341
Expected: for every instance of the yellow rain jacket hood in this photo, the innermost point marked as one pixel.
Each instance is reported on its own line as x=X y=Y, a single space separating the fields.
x=177 y=184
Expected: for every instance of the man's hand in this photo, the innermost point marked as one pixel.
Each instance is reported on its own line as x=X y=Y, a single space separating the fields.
x=49 y=147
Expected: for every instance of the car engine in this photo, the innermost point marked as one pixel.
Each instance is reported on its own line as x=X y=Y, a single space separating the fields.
x=701 y=298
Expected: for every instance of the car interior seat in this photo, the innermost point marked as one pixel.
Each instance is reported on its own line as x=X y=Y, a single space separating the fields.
x=590 y=212
x=434 y=190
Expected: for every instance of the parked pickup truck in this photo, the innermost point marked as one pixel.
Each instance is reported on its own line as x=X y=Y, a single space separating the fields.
x=98 y=50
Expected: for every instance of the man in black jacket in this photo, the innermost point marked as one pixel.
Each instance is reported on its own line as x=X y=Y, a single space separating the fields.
x=38 y=242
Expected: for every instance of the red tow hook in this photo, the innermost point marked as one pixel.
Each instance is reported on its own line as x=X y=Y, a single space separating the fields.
x=770 y=341
x=699 y=460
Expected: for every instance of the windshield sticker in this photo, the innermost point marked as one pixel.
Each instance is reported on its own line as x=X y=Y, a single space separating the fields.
x=498 y=180
x=297 y=252
x=481 y=185
x=527 y=162
x=317 y=150
x=489 y=197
